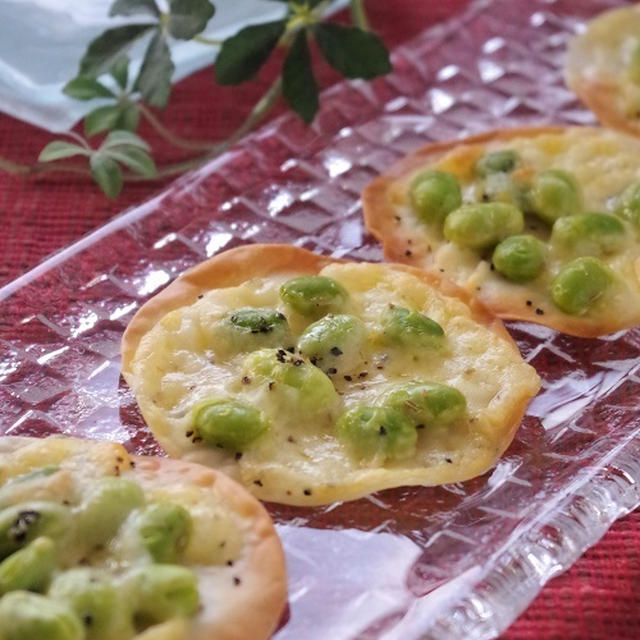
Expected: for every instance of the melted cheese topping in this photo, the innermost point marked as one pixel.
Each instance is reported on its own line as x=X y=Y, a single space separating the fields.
x=604 y=164
x=64 y=471
x=179 y=365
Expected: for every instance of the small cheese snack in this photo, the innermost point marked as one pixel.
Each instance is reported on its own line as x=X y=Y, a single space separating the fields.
x=541 y=224
x=312 y=380
x=99 y=545
x=603 y=67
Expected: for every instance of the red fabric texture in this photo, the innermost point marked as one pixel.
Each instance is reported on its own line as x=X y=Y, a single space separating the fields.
x=598 y=598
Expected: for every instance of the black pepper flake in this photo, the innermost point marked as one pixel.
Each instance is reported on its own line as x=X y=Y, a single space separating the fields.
x=492 y=267
x=280 y=355
x=196 y=440
x=120 y=459
x=363 y=374
x=449 y=460
x=238 y=455
x=66 y=503
x=478 y=288
x=272 y=384
x=419 y=426
x=313 y=360
x=379 y=367
x=246 y=380
x=307 y=492
x=382 y=430
x=223 y=544
x=133 y=464
x=331 y=371
x=336 y=351
x=398 y=218
x=408 y=253
x=87 y=619
x=20 y=527
x=200 y=296
x=441 y=270
x=116 y=470
x=290 y=439
x=291 y=349
x=485 y=197
x=539 y=312
x=288 y=492
x=529 y=303
x=258 y=483
x=229 y=563
x=348 y=378
x=189 y=434
x=236 y=581
x=297 y=363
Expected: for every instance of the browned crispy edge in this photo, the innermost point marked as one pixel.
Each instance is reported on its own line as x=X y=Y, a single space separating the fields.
x=379 y=219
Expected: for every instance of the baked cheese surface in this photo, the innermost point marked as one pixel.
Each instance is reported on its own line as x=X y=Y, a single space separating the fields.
x=187 y=359
x=602 y=166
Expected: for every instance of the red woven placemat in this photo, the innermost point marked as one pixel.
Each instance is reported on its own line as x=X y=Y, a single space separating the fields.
x=598 y=598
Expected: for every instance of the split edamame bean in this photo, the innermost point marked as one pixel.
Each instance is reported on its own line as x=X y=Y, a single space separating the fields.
x=410 y=328
x=377 y=432
x=628 y=205
x=554 y=193
x=250 y=328
x=589 y=234
x=228 y=424
x=96 y=600
x=519 y=258
x=479 y=226
x=164 y=530
x=579 y=284
x=30 y=568
x=313 y=295
x=502 y=161
x=335 y=343
x=429 y=404
x=34 y=617
x=434 y=194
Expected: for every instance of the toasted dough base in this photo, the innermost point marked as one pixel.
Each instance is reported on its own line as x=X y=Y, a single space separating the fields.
x=379 y=200
x=249 y=611
x=236 y=266
x=595 y=68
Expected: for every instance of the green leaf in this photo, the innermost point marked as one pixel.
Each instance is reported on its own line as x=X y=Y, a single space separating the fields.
x=87 y=88
x=129 y=117
x=299 y=86
x=101 y=119
x=188 y=18
x=242 y=55
x=106 y=172
x=134 y=7
x=120 y=138
x=154 y=79
x=107 y=49
x=353 y=52
x=120 y=72
x=59 y=149
x=137 y=160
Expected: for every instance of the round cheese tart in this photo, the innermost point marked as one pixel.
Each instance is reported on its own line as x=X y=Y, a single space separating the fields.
x=312 y=380
x=99 y=545
x=603 y=67
x=541 y=224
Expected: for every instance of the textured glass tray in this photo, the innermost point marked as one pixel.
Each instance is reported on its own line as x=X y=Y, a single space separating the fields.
x=460 y=561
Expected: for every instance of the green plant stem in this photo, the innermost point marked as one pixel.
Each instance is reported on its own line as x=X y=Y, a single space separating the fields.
x=40 y=167
x=169 y=136
x=208 y=41
x=359 y=14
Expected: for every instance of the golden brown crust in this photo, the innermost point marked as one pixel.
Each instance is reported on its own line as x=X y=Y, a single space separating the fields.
x=255 y=610
x=379 y=218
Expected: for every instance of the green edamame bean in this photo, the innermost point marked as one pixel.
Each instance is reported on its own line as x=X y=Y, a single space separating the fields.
x=334 y=343
x=519 y=258
x=410 y=328
x=589 y=234
x=163 y=591
x=108 y=505
x=429 y=404
x=29 y=616
x=580 y=284
x=30 y=568
x=290 y=379
x=479 y=226
x=503 y=161
x=22 y=523
x=96 y=600
x=554 y=193
x=250 y=328
x=628 y=205
x=377 y=432
x=164 y=530
x=434 y=194
x=313 y=295
x=228 y=424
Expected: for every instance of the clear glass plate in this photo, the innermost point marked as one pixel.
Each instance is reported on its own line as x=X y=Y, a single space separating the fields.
x=460 y=561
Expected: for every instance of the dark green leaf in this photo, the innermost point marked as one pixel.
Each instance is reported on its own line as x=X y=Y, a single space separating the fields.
x=299 y=86
x=107 y=174
x=188 y=18
x=137 y=160
x=129 y=117
x=353 y=52
x=242 y=55
x=101 y=119
x=124 y=139
x=87 y=88
x=134 y=7
x=120 y=72
x=154 y=79
x=58 y=149
x=108 y=48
